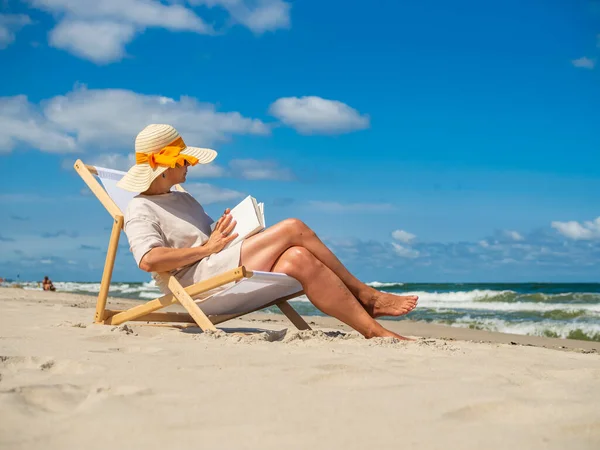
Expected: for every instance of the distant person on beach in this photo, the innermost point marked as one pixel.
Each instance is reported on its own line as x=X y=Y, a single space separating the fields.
x=169 y=231
x=47 y=284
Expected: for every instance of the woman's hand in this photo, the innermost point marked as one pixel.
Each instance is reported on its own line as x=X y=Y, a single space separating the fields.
x=222 y=234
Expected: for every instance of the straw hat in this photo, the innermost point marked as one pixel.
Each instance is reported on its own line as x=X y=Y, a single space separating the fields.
x=157 y=148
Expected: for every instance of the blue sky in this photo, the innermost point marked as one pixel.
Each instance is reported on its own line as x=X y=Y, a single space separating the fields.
x=423 y=141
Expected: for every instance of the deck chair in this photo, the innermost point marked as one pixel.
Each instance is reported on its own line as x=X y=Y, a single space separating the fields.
x=252 y=291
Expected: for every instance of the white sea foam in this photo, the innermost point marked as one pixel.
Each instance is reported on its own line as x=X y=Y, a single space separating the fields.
x=453 y=301
x=561 y=328
x=459 y=296
x=472 y=300
x=70 y=286
x=28 y=285
x=379 y=284
x=150 y=295
x=143 y=290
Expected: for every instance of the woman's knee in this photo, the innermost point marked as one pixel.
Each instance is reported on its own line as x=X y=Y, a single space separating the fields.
x=296 y=227
x=298 y=262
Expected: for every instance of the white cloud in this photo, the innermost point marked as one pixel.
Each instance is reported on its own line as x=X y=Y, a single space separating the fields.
x=584 y=63
x=252 y=169
x=514 y=235
x=111 y=161
x=259 y=16
x=403 y=236
x=111 y=118
x=23 y=122
x=211 y=170
x=207 y=193
x=143 y=13
x=588 y=230
x=316 y=115
x=335 y=207
x=248 y=169
x=10 y=24
x=99 y=30
x=101 y=42
x=405 y=252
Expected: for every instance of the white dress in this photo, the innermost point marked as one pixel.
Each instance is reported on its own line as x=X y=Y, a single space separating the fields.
x=175 y=220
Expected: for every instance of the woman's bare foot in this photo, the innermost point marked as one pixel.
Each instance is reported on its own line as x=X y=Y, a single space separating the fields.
x=385 y=304
x=384 y=333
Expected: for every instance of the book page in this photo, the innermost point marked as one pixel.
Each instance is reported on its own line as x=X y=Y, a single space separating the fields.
x=261 y=215
x=248 y=217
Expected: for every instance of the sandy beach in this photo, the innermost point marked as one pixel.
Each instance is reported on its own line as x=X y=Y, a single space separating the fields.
x=259 y=383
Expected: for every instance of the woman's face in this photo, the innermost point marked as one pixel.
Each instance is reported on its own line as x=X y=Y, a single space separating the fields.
x=177 y=174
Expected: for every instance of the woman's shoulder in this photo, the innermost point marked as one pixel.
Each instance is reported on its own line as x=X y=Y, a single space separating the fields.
x=140 y=201
x=140 y=206
x=151 y=206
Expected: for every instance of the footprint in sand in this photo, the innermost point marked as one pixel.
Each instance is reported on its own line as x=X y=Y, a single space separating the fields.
x=16 y=365
x=338 y=374
x=62 y=398
x=45 y=398
x=506 y=411
x=132 y=349
x=476 y=410
x=588 y=429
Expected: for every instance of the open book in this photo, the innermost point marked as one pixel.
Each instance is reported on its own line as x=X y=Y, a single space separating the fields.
x=250 y=218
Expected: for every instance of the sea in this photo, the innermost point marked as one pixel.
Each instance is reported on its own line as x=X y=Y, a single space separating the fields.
x=564 y=310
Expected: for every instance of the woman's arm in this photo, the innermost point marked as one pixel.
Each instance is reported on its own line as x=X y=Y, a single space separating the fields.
x=164 y=259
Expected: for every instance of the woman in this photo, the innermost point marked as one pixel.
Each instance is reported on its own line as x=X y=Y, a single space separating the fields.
x=169 y=231
x=47 y=284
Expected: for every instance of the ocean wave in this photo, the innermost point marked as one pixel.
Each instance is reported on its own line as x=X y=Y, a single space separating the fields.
x=150 y=295
x=379 y=284
x=567 y=297
x=441 y=305
x=559 y=314
x=459 y=296
x=127 y=290
x=593 y=310
x=490 y=300
x=549 y=328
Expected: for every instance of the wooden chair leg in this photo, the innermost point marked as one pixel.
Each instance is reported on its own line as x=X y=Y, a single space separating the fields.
x=188 y=303
x=109 y=265
x=140 y=310
x=294 y=317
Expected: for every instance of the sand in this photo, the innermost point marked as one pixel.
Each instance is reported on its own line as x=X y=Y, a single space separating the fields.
x=259 y=384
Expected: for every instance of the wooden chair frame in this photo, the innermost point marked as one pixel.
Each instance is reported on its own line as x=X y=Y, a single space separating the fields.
x=179 y=294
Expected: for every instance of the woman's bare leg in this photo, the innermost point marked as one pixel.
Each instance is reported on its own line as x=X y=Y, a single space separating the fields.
x=328 y=293
x=261 y=251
